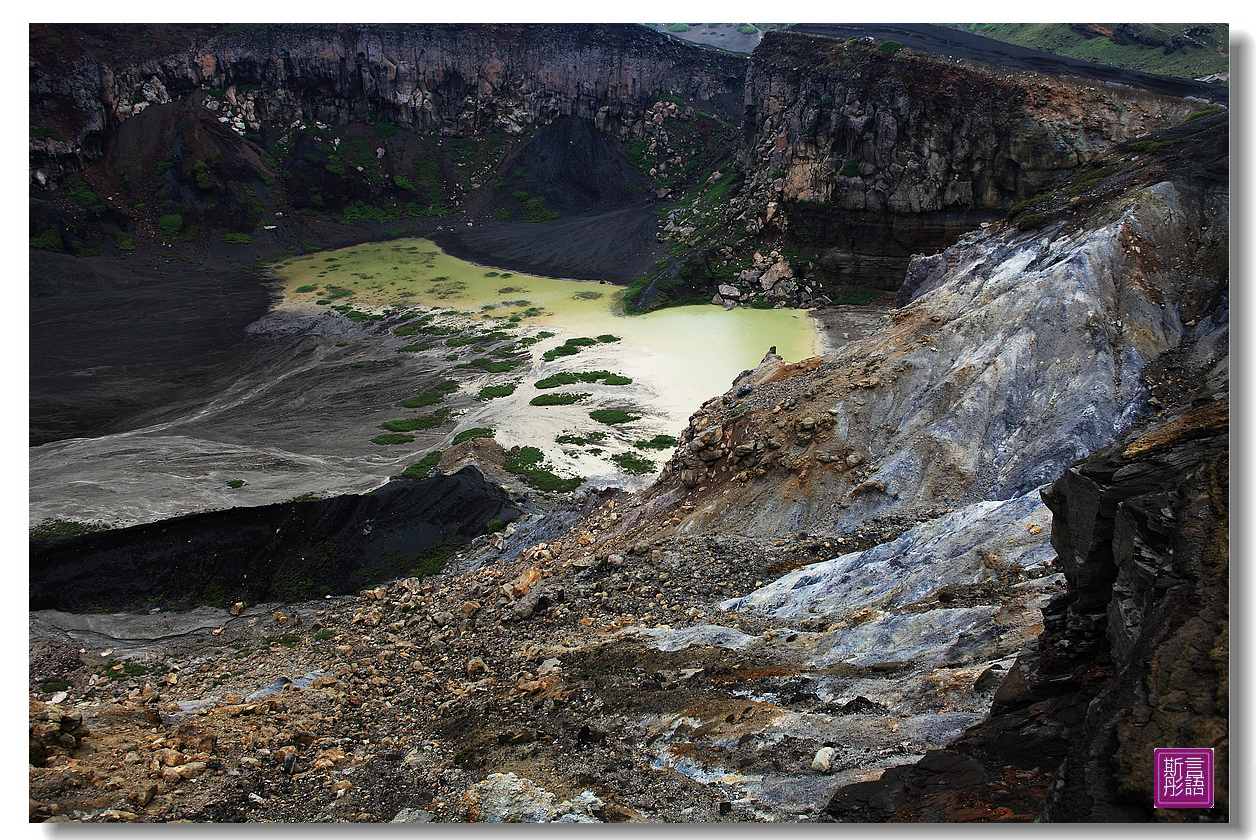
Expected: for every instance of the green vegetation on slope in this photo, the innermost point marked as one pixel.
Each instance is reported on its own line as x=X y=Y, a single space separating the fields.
x=1119 y=45
x=420 y=468
x=527 y=462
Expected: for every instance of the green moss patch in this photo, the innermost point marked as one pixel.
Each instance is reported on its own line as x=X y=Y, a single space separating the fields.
x=631 y=462
x=657 y=442
x=527 y=463
x=612 y=416
x=55 y=529
x=392 y=440
x=570 y=347
x=412 y=424
x=558 y=399
x=492 y=392
x=468 y=434
x=424 y=399
x=419 y=469
x=499 y=366
x=572 y=377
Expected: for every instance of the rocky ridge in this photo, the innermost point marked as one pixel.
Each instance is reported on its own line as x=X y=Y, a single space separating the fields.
x=1133 y=657
x=678 y=657
x=1023 y=351
x=453 y=77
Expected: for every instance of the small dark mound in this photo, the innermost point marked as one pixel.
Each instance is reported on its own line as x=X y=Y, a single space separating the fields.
x=575 y=168
x=569 y=205
x=289 y=551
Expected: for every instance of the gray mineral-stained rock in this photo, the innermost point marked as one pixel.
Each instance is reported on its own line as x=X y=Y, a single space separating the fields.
x=702 y=634
x=928 y=638
x=507 y=798
x=964 y=547
x=1026 y=355
x=412 y=815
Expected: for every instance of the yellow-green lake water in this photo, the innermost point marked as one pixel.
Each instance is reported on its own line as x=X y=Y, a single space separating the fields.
x=678 y=357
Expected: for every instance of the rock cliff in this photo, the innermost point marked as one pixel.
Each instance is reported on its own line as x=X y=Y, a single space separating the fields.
x=451 y=77
x=864 y=150
x=860 y=128
x=813 y=169
x=1024 y=351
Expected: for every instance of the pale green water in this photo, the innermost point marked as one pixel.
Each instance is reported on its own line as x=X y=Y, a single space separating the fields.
x=695 y=347
x=678 y=358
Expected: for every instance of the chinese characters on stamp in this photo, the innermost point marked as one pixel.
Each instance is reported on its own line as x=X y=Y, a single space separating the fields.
x=1183 y=777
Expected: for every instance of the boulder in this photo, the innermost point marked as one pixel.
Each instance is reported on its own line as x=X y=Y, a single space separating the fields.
x=507 y=798
x=777 y=272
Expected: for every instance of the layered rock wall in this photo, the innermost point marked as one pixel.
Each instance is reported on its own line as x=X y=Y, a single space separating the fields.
x=451 y=77
x=859 y=130
x=1142 y=531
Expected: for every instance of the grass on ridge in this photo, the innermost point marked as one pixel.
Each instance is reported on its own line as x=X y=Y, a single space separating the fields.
x=420 y=469
x=467 y=434
x=527 y=462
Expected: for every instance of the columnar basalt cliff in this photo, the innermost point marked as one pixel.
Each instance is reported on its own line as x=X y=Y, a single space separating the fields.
x=859 y=149
x=862 y=129
x=453 y=77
